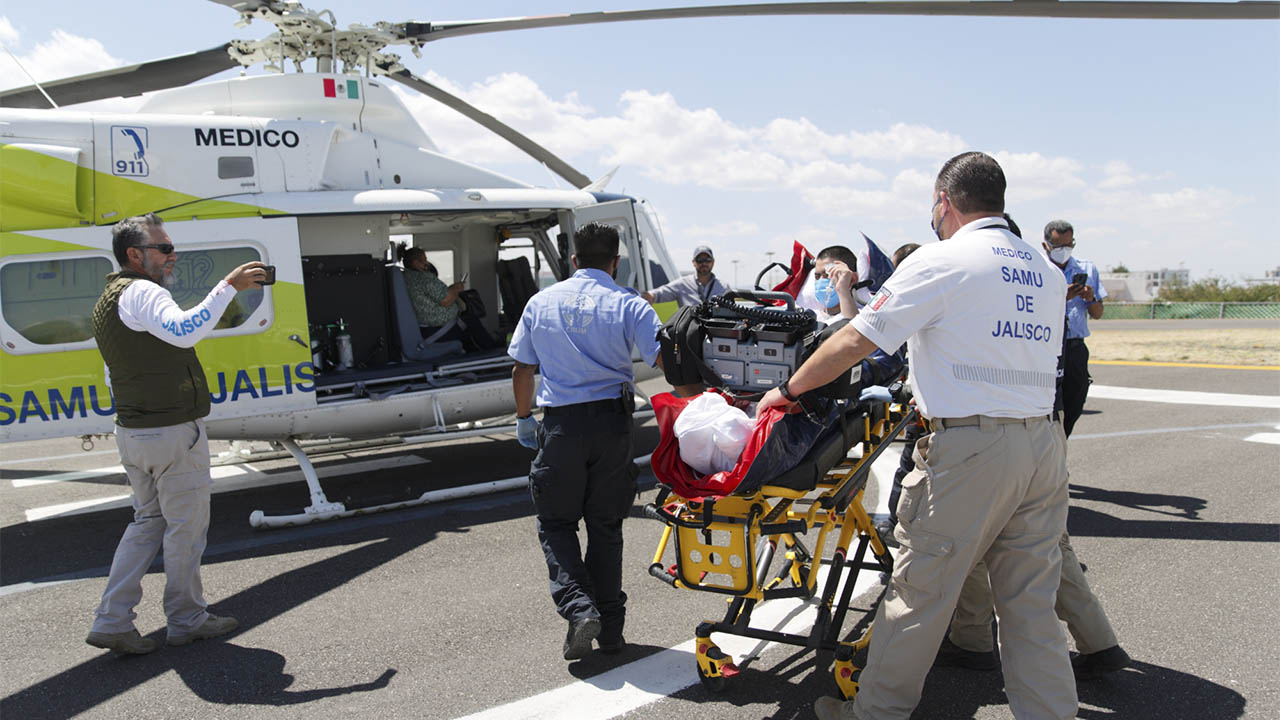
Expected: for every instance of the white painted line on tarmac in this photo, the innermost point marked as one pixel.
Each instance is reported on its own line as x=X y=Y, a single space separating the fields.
x=658 y=676
x=1162 y=431
x=69 y=476
x=78 y=507
x=1265 y=438
x=1184 y=397
x=232 y=477
x=69 y=456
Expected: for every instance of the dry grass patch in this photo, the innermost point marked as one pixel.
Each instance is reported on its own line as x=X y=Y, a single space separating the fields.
x=1234 y=346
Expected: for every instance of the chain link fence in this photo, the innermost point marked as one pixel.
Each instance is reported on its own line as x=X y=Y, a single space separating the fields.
x=1189 y=310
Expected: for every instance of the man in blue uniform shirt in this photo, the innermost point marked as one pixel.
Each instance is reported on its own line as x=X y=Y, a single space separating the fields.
x=1084 y=301
x=579 y=333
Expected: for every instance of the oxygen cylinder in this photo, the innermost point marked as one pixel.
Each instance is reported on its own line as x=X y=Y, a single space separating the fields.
x=317 y=349
x=346 y=356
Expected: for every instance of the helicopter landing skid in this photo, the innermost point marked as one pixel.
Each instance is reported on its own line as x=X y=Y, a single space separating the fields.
x=320 y=507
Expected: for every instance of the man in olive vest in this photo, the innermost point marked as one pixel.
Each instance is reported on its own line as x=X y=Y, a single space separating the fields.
x=160 y=395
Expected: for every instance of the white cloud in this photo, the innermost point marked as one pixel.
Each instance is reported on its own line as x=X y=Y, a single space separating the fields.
x=906 y=141
x=1032 y=176
x=62 y=55
x=669 y=143
x=802 y=140
x=906 y=196
x=1162 y=209
x=829 y=172
x=730 y=229
x=8 y=34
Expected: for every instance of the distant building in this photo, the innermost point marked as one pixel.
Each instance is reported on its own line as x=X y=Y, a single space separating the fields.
x=1142 y=286
x=1269 y=277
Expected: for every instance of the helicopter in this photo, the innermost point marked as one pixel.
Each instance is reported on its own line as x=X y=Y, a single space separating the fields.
x=317 y=172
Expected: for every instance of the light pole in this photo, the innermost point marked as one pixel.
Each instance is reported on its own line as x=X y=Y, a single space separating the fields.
x=735 y=274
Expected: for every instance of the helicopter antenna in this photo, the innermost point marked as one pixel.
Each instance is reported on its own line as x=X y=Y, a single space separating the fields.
x=29 y=75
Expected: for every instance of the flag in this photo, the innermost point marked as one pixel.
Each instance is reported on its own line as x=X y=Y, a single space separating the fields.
x=348 y=88
x=879 y=267
x=797 y=274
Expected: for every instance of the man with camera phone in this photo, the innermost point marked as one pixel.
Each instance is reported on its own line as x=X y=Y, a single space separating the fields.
x=1084 y=300
x=161 y=397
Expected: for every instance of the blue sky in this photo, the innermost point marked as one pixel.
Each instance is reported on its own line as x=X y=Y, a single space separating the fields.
x=1159 y=140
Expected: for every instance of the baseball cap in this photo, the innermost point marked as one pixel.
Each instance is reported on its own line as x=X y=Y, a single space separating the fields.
x=703 y=250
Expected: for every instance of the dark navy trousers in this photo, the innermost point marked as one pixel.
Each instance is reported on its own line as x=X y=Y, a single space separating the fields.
x=584 y=472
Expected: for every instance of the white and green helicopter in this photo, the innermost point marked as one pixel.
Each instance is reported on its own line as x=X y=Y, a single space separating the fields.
x=318 y=173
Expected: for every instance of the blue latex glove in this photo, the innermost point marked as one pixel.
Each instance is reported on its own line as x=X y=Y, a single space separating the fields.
x=527 y=431
x=877 y=393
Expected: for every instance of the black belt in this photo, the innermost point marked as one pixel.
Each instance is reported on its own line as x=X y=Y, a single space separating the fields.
x=1075 y=341
x=608 y=406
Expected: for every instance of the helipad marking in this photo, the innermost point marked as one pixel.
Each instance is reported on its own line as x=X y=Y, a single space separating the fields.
x=1163 y=431
x=1184 y=397
x=69 y=456
x=1271 y=438
x=228 y=478
x=1153 y=363
x=653 y=678
x=69 y=476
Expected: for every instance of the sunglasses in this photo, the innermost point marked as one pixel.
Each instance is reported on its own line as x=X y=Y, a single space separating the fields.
x=162 y=248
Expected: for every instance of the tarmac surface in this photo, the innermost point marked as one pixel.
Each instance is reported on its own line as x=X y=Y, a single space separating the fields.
x=442 y=611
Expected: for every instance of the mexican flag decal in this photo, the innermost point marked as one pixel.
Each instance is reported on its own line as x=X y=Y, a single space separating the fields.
x=335 y=88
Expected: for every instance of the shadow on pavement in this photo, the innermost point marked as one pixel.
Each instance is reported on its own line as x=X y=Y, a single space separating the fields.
x=219 y=671
x=1181 y=505
x=230 y=674
x=1139 y=692
x=1083 y=522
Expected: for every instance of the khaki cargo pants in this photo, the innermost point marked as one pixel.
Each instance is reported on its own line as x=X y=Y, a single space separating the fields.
x=997 y=492
x=1077 y=606
x=168 y=469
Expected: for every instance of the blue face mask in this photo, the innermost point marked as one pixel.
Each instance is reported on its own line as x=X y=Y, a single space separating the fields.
x=826 y=292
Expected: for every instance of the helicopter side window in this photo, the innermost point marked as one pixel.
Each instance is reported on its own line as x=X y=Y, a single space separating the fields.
x=232 y=167
x=50 y=301
x=197 y=271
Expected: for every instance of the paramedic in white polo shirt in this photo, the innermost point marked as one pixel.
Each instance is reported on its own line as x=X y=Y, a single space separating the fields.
x=982 y=316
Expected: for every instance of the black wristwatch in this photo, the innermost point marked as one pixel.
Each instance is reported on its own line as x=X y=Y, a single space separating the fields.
x=786 y=393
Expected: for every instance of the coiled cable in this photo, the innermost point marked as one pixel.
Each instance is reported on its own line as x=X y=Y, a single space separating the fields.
x=764 y=314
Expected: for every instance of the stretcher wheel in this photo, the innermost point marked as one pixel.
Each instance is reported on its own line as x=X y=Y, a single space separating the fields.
x=714 y=684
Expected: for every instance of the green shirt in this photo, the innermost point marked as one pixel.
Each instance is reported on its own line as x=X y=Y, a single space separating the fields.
x=426 y=292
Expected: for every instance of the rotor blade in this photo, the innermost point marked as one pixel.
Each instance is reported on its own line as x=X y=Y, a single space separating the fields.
x=124 y=81
x=1244 y=10
x=511 y=135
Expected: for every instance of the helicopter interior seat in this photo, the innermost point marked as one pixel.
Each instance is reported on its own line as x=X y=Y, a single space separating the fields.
x=516 y=283
x=408 y=336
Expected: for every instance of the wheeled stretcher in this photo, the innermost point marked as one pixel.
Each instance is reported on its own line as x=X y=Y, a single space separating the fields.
x=767 y=540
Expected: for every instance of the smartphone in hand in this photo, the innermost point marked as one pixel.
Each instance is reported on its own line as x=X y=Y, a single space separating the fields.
x=1079 y=279
x=271 y=275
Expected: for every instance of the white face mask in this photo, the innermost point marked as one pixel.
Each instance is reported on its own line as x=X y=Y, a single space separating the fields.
x=1060 y=255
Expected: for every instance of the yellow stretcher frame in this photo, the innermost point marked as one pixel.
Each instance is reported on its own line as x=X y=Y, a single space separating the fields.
x=752 y=527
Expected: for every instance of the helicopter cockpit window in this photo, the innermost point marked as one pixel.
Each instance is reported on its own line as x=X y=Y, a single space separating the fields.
x=197 y=271
x=657 y=274
x=240 y=166
x=50 y=302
